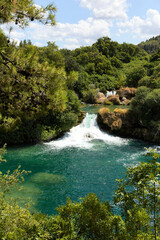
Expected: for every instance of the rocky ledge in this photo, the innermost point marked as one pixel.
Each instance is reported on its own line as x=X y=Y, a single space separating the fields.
x=122 y=96
x=123 y=122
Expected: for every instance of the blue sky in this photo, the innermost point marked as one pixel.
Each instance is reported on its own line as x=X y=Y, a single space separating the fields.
x=82 y=22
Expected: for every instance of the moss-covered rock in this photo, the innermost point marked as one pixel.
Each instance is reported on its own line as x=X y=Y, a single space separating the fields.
x=114 y=99
x=127 y=93
x=100 y=98
x=124 y=123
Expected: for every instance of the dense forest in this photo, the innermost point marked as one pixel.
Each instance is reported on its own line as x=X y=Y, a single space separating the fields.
x=151 y=45
x=41 y=87
x=35 y=100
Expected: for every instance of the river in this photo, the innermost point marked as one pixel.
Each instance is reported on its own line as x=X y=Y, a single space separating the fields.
x=85 y=160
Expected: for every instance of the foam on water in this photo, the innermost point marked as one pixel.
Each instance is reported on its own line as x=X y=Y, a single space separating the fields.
x=83 y=135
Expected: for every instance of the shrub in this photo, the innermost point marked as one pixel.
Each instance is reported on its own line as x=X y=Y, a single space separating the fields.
x=67 y=121
x=89 y=96
x=135 y=75
x=48 y=133
x=146 y=104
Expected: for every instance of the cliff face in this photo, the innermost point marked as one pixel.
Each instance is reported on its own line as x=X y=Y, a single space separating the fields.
x=124 y=123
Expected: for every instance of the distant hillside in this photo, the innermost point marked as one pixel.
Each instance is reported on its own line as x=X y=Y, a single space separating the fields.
x=151 y=45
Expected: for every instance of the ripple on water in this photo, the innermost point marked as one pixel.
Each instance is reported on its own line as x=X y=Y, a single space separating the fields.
x=85 y=160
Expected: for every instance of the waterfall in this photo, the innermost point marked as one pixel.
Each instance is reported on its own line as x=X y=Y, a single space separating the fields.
x=83 y=135
x=109 y=93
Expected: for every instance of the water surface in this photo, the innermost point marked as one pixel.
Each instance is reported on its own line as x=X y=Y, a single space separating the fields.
x=84 y=160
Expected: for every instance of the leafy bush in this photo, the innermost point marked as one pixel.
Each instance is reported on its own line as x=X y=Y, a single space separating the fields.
x=67 y=121
x=89 y=96
x=146 y=104
x=134 y=76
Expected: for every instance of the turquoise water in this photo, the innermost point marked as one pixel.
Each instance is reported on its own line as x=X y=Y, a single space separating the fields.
x=83 y=161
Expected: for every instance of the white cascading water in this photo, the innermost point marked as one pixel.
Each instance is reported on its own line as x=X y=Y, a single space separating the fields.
x=109 y=93
x=82 y=136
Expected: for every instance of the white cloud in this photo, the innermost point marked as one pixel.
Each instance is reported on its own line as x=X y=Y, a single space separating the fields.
x=106 y=9
x=15 y=34
x=72 y=40
x=105 y=14
x=38 y=44
x=15 y=40
x=71 y=46
x=143 y=28
x=84 y=32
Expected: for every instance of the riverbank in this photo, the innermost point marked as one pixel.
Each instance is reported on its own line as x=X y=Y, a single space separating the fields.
x=124 y=123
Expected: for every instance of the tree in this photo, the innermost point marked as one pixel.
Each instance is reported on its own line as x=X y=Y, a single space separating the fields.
x=138 y=196
x=135 y=75
x=51 y=54
x=146 y=105
x=102 y=45
x=23 y=11
x=33 y=94
x=89 y=219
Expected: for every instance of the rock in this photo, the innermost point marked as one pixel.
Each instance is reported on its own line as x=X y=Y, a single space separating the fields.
x=114 y=99
x=127 y=93
x=100 y=95
x=100 y=98
x=127 y=102
x=124 y=123
x=111 y=120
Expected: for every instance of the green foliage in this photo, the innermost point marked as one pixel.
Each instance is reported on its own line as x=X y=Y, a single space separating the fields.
x=33 y=82
x=107 y=65
x=90 y=94
x=146 y=105
x=73 y=103
x=151 y=45
x=52 y=55
x=152 y=79
x=148 y=82
x=47 y=133
x=138 y=197
x=104 y=82
x=33 y=90
x=116 y=62
x=134 y=76
x=155 y=56
x=72 y=78
x=82 y=83
x=67 y=121
x=38 y=102
x=89 y=219
x=17 y=223
x=23 y=11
